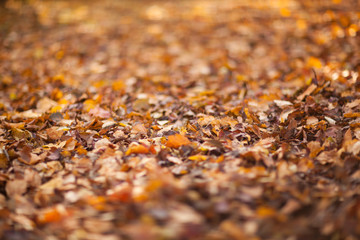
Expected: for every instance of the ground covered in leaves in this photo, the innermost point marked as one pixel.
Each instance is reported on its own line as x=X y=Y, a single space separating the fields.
x=180 y=120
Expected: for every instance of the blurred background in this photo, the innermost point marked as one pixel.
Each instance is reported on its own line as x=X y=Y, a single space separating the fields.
x=166 y=42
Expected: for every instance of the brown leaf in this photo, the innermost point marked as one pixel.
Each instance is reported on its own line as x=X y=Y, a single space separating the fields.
x=139 y=128
x=4 y=161
x=54 y=154
x=19 y=134
x=315 y=148
x=311 y=120
x=25 y=156
x=100 y=112
x=54 y=133
x=352 y=146
x=328 y=157
x=32 y=178
x=15 y=187
x=232 y=229
x=290 y=207
x=98 y=225
x=45 y=104
x=307 y=92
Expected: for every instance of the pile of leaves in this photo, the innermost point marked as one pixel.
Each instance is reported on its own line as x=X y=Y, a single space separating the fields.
x=180 y=120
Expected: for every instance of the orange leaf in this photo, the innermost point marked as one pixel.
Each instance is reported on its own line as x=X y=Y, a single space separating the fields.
x=154 y=185
x=123 y=195
x=352 y=115
x=220 y=159
x=81 y=150
x=54 y=214
x=265 y=211
x=137 y=149
x=152 y=149
x=314 y=62
x=177 y=140
x=285 y=12
x=98 y=202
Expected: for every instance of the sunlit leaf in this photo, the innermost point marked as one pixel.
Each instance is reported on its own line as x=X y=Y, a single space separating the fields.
x=177 y=140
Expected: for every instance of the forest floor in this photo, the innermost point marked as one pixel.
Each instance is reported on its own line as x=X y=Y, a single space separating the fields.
x=180 y=120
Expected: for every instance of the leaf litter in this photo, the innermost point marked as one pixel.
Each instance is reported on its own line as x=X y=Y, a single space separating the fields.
x=179 y=120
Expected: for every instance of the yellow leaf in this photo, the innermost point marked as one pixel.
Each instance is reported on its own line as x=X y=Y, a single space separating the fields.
x=198 y=158
x=81 y=151
x=118 y=85
x=63 y=101
x=66 y=153
x=247 y=113
x=89 y=104
x=314 y=62
x=99 y=84
x=285 y=12
x=207 y=93
x=301 y=24
x=57 y=108
x=13 y=96
x=59 y=78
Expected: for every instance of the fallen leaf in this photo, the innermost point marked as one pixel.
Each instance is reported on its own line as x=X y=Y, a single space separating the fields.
x=15 y=187
x=177 y=140
x=197 y=158
x=99 y=112
x=45 y=104
x=282 y=103
x=307 y=92
x=315 y=148
x=137 y=149
x=139 y=128
x=52 y=215
x=54 y=133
